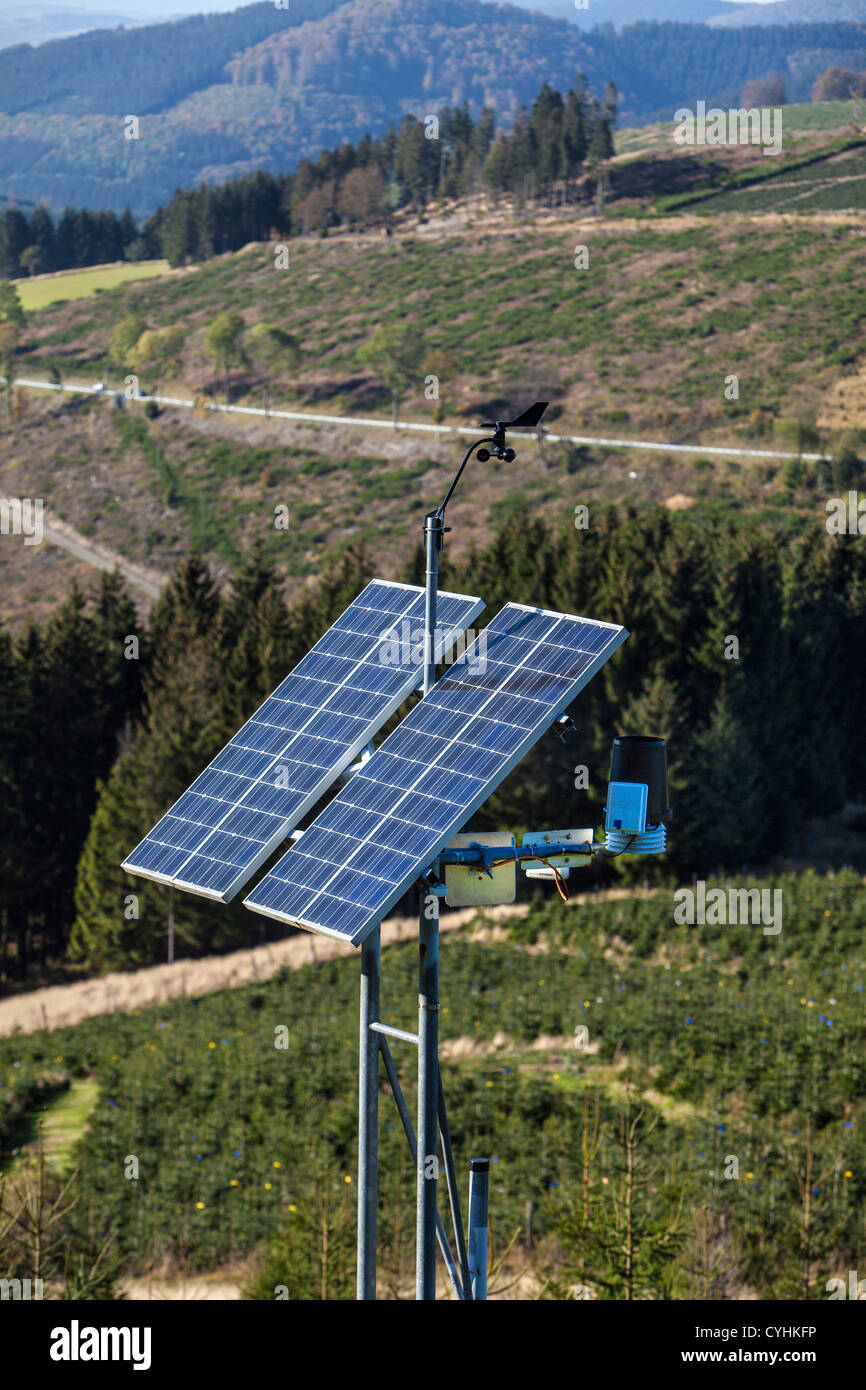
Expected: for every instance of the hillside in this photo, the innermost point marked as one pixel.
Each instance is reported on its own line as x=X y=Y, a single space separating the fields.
x=219 y=95
x=639 y=345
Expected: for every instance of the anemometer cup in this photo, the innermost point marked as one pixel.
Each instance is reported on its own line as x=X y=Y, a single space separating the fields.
x=637 y=797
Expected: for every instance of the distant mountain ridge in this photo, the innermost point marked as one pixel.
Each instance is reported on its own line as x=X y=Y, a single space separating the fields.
x=118 y=71
x=723 y=13
x=20 y=23
x=622 y=12
x=220 y=95
x=792 y=12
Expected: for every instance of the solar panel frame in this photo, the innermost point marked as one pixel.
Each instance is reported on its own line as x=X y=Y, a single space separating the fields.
x=333 y=643
x=509 y=757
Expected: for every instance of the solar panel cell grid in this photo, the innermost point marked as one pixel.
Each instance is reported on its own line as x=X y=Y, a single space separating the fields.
x=433 y=772
x=276 y=767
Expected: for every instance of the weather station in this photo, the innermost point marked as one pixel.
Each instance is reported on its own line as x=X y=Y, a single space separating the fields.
x=398 y=820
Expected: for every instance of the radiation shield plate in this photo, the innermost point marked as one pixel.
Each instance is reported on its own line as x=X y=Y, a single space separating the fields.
x=468 y=886
x=534 y=868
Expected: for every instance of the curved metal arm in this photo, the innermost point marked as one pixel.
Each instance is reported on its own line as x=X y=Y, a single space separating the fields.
x=440 y=510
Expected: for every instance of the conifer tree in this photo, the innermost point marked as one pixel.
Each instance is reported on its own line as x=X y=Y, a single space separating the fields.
x=122 y=920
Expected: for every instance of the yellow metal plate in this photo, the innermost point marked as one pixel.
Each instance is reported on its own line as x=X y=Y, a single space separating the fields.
x=466 y=886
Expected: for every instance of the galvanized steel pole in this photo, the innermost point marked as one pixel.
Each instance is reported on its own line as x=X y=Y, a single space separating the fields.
x=434 y=529
x=368 y=1117
x=428 y=989
x=428 y=1096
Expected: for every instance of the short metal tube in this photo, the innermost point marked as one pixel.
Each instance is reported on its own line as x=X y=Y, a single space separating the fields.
x=479 y=1188
x=368 y=1116
x=390 y=1032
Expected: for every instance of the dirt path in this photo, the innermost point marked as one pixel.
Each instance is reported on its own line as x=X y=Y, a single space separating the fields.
x=57 y=532
x=60 y=1006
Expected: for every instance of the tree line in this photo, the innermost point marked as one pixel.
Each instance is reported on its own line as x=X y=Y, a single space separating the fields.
x=356 y=186
x=445 y=157
x=37 y=245
x=100 y=734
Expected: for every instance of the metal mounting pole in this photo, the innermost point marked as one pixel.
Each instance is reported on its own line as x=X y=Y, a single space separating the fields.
x=368 y=1116
x=428 y=988
x=428 y=1098
x=434 y=528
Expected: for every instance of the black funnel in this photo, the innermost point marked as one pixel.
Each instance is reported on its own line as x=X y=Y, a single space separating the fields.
x=642 y=759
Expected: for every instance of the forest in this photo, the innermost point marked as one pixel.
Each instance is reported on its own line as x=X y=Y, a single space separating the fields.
x=161 y=63
x=560 y=144
x=105 y=719
x=355 y=186
x=359 y=186
x=656 y=64
x=220 y=95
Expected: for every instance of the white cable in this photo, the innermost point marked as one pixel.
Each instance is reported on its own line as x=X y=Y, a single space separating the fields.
x=363 y=422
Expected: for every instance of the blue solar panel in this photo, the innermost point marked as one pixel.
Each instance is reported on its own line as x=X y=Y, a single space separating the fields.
x=274 y=770
x=430 y=776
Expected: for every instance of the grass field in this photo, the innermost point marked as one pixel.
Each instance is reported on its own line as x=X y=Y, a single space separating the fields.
x=638 y=345
x=651 y=329
x=63 y=1115
x=83 y=284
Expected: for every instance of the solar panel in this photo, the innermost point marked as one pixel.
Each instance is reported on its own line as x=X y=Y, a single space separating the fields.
x=430 y=776
x=275 y=769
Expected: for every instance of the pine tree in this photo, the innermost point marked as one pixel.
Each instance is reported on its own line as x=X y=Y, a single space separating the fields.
x=190 y=596
x=312 y=1257
x=42 y=238
x=122 y=921
x=722 y=808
